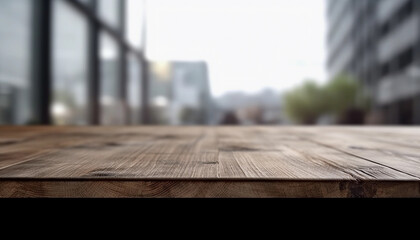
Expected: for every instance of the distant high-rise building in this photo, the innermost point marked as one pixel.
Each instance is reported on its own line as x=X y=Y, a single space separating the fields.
x=378 y=42
x=180 y=93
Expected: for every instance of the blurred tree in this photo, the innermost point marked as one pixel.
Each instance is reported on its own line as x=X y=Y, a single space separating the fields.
x=306 y=103
x=346 y=99
x=343 y=97
x=343 y=93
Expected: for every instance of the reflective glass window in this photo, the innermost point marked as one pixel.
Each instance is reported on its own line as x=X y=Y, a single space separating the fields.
x=70 y=66
x=15 y=58
x=134 y=89
x=112 y=108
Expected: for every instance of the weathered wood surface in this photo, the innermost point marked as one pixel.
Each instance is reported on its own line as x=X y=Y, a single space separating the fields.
x=209 y=162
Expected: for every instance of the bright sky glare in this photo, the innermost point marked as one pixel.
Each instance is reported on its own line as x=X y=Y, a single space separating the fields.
x=249 y=44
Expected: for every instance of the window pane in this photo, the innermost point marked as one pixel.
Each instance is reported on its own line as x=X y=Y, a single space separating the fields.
x=112 y=110
x=70 y=74
x=160 y=92
x=15 y=25
x=134 y=89
x=109 y=11
x=86 y=2
x=134 y=20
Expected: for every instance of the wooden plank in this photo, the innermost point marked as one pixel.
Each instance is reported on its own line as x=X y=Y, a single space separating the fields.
x=112 y=188
x=324 y=155
x=281 y=154
x=21 y=144
x=31 y=143
x=56 y=139
x=309 y=162
x=404 y=159
x=163 y=152
x=209 y=161
x=398 y=137
x=274 y=165
x=123 y=160
x=265 y=153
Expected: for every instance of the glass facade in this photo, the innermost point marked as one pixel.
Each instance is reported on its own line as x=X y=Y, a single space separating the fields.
x=87 y=2
x=111 y=105
x=15 y=56
x=109 y=11
x=134 y=89
x=70 y=63
x=55 y=54
x=134 y=33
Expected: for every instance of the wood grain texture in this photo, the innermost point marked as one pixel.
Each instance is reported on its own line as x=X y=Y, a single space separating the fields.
x=209 y=162
x=397 y=150
x=111 y=188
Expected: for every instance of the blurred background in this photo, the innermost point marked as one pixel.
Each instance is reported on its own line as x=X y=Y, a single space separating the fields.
x=209 y=62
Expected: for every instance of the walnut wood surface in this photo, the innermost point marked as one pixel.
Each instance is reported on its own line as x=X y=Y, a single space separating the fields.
x=209 y=162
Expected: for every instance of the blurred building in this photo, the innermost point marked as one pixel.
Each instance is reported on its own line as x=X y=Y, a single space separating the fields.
x=180 y=93
x=264 y=107
x=70 y=62
x=378 y=42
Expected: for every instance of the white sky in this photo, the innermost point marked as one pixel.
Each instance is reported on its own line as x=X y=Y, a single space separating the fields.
x=249 y=44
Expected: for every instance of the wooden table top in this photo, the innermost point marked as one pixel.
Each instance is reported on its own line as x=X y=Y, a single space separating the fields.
x=209 y=162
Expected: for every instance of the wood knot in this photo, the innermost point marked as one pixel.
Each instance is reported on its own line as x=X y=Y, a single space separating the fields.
x=102 y=173
x=358 y=189
x=238 y=149
x=210 y=163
